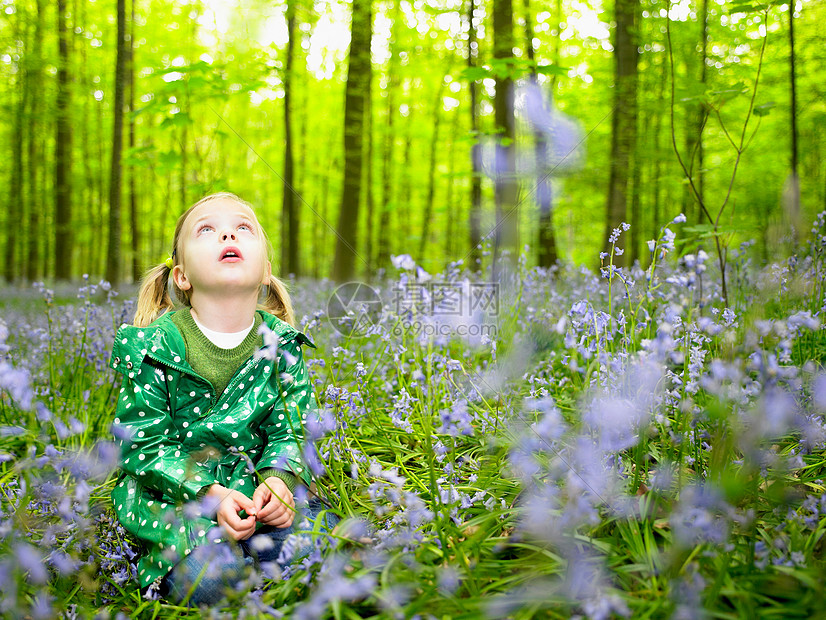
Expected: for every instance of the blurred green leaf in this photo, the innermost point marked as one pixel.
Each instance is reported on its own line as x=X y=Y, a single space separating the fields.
x=474 y=74
x=764 y=109
x=552 y=70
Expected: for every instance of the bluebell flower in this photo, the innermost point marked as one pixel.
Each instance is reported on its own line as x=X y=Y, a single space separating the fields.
x=701 y=516
x=31 y=561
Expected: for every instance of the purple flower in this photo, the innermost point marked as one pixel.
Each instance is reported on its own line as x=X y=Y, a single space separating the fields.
x=18 y=384
x=313 y=460
x=819 y=392
x=31 y=561
x=456 y=421
x=402 y=410
x=700 y=517
x=403 y=261
x=449 y=580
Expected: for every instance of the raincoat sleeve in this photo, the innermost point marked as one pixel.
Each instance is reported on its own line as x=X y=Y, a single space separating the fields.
x=150 y=446
x=284 y=427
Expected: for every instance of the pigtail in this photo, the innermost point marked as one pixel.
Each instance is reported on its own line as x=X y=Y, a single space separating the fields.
x=278 y=301
x=153 y=296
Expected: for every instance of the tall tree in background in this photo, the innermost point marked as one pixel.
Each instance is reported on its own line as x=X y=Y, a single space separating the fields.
x=113 y=254
x=133 y=194
x=624 y=121
x=15 y=192
x=367 y=181
x=289 y=206
x=35 y=201
x=431 y=170
x=698 y=115
x=63 y=152
x=358 y=77
x=546 y=241
x=387 y=203
x=794 y=200
x=475 y=223
x=506 y=187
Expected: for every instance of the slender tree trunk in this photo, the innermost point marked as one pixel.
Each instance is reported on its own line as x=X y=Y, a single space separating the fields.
x=114 y=251
x=634 y=234
x=133 y=194
x=289 y=207
x=623 y=125
x=694 y=135
x=506 y=187
x=35 y=200
x=794 y=205
x=452 y=213
x=97 y=178
x=475 y=213
x=387 y=202
x=14 y=238
x=358 y=80
x=406 y=189
x=301 y=170
x=658 y=160
x=63 y=152
x=322 y=237
x=368 y=181
x=431 y=172
x=546 y=241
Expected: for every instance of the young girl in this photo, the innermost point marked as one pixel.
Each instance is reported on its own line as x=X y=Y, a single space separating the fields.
x=201 y=419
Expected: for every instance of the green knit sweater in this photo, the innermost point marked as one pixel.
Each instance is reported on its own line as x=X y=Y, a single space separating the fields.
x=218 y=365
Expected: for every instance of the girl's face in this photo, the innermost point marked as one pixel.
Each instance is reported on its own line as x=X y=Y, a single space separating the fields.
x=222 y=250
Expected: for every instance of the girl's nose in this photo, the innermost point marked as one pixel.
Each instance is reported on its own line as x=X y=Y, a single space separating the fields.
x=229 y=235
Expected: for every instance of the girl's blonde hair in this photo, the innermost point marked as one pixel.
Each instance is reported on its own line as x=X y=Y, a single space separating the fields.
x=154 y=298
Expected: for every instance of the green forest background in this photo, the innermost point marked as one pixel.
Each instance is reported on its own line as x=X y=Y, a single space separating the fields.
x=352 y=128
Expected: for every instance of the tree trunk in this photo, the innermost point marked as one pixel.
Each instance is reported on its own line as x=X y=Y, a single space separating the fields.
x=452 y=213
x=369 y=197
x=63 y=152
x=35 y=201
x=14 y=238
x=694 y=136
x=358 y=79
x=656 y=218
x=289 y=206
x=475 y=223
x=634 y=219
x=97 y=178
x=113 y=253
x=431 y=172
x=623 y=125
x=505 y=184
x=406 y=186
x=794 y=203
x=546 y=241
x=387 y=203
x=133 y=194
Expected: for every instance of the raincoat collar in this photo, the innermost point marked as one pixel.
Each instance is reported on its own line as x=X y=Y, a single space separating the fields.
x=162 y=341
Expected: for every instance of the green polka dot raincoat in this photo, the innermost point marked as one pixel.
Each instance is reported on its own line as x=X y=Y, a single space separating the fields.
x=177 y=436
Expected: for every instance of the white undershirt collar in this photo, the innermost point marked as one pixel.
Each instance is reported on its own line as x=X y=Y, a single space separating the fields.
x=222 y=339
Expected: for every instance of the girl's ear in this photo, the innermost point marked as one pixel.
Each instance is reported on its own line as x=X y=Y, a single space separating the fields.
x=180 y=279
x=267 y=273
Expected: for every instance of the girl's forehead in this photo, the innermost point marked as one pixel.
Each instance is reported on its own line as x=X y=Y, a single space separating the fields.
x=220 y=207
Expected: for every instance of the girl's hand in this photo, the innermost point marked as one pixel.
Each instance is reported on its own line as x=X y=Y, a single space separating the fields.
x=232 y=502
x=274 y=503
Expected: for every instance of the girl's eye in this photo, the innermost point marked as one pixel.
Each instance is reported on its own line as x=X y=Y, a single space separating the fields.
x=204 y=227
x=247 y=227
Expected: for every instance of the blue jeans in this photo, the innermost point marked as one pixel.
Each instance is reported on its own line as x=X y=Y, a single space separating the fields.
x=212 y=570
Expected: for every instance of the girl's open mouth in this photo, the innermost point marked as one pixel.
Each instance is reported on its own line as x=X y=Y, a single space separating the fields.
x=230 y=255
